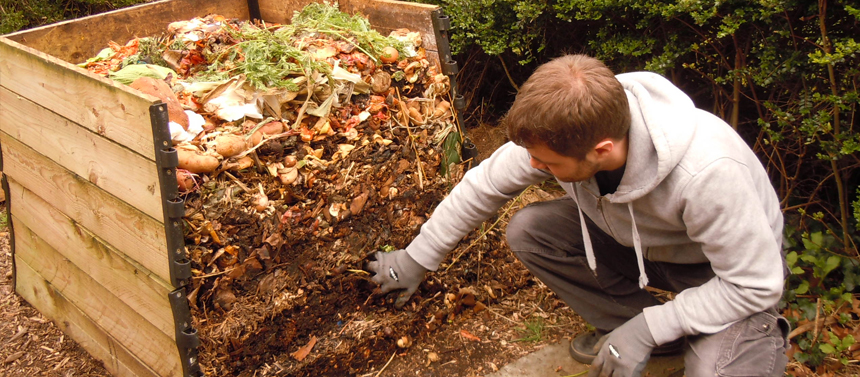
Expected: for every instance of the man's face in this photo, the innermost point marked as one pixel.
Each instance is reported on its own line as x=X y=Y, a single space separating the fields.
x=566 y=169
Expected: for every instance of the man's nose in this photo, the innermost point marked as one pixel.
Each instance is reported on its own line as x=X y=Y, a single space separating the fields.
x=537 y=164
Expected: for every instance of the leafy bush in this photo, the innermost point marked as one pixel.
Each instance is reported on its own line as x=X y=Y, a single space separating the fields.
x=784 y=73
x=24 y=14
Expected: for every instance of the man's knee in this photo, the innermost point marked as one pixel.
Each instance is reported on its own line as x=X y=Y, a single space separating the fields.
x=524 y=229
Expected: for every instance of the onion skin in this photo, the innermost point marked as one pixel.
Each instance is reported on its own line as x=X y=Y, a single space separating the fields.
x=185 y=180
x=389 y=55
x=272 y=128
x=261 y=202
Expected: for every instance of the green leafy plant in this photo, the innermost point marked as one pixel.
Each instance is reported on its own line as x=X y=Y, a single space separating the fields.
x=784 y=74
x=24 y=14
x=838 y=348
x=532 y=330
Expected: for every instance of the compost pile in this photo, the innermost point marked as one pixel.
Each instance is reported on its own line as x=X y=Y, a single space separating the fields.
x=303 y=149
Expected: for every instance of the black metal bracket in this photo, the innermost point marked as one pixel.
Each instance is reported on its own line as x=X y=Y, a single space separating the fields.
x=173 y=208
x=254 y=10
x=441 y=27
x=186 y=336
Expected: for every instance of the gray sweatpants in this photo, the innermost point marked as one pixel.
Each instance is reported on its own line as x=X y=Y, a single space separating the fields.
x=547 y=238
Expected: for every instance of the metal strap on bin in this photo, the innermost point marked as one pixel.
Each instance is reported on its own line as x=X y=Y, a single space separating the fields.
x=441 y=26
x=186 y=336
x=254 y=10
x=173 y=208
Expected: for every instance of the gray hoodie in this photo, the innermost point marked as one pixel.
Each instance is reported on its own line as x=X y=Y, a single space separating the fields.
x=692 y=192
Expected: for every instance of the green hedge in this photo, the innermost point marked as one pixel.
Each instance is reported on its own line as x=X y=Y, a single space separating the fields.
x=24 y=14
x=785 y=74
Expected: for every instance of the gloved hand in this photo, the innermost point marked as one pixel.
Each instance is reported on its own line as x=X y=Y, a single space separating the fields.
x=397 y=270
x=624 y=351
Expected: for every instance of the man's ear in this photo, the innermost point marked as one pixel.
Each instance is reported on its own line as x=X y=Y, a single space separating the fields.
x=604 y=148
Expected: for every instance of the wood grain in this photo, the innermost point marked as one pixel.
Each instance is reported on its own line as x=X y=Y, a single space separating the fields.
x=385 y=16
x=72 y=321
x=118 y=170
x=110 y=109
x=122 y=277
x=77 y=40
x=133 y=233
x=125 y=325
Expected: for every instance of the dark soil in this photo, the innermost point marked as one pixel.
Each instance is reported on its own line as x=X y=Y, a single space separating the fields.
x=277 y=283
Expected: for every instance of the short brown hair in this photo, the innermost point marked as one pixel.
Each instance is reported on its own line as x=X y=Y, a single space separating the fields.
x=569 y=104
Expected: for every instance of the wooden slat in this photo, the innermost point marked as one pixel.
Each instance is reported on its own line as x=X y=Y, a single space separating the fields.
x=110 y=166
x=77 y=40
x=388 y=15
x=125 y=279
x=48 y=301
x=117 y=319
x=384 y=15
x=281 y=11
x=135 y=234
x=112 y=110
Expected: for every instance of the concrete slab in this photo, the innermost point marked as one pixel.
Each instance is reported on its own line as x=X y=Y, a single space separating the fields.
x=554 y=361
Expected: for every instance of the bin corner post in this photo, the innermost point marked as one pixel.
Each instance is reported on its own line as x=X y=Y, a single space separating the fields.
x=254 y=10
x=173 y=208
x=186 y=336
x=441 y=27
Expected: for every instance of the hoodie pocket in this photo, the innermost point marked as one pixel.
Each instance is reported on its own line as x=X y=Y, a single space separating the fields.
x=754 y=347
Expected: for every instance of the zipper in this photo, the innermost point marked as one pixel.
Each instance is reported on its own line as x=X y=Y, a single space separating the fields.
x=599 y=205
x=603 y=213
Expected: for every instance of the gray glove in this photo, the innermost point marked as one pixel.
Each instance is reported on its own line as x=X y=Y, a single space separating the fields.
x=625 y=351
x=397 y=270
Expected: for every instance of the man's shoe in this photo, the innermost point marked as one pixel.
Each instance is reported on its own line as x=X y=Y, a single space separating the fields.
x=583 y=348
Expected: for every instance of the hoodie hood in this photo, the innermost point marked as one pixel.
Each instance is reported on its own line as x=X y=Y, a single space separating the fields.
x=659 y=136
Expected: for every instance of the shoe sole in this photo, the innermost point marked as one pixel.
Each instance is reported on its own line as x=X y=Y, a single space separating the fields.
x=580 y=357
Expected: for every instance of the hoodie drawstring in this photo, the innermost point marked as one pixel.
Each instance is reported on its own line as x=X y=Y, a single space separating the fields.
x=637 y=246
x=586 y=238
x=589 y=249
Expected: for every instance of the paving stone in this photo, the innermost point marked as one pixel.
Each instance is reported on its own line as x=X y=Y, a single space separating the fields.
x=554 y=361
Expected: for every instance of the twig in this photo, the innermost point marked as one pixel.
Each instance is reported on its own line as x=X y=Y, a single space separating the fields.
x=386 y=364
x=238 y=182
x=817 y=322
x=265 y=139
x=502 y=316
x=483 y=234
x=213 y=274
x=577 y=374
x=505 y=67
x=414 y=148
x=808 y=326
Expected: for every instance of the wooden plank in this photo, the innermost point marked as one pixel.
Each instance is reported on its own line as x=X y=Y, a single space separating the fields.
x=101 y=345
x=133 y=233
x=103 y=106
x=384 y=15
x=125 y=279
x=281 y=11
x=77 y=40
x=108 y=165
x=123 y=323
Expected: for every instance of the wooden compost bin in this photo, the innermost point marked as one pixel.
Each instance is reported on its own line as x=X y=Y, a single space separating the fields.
x=88 y=171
